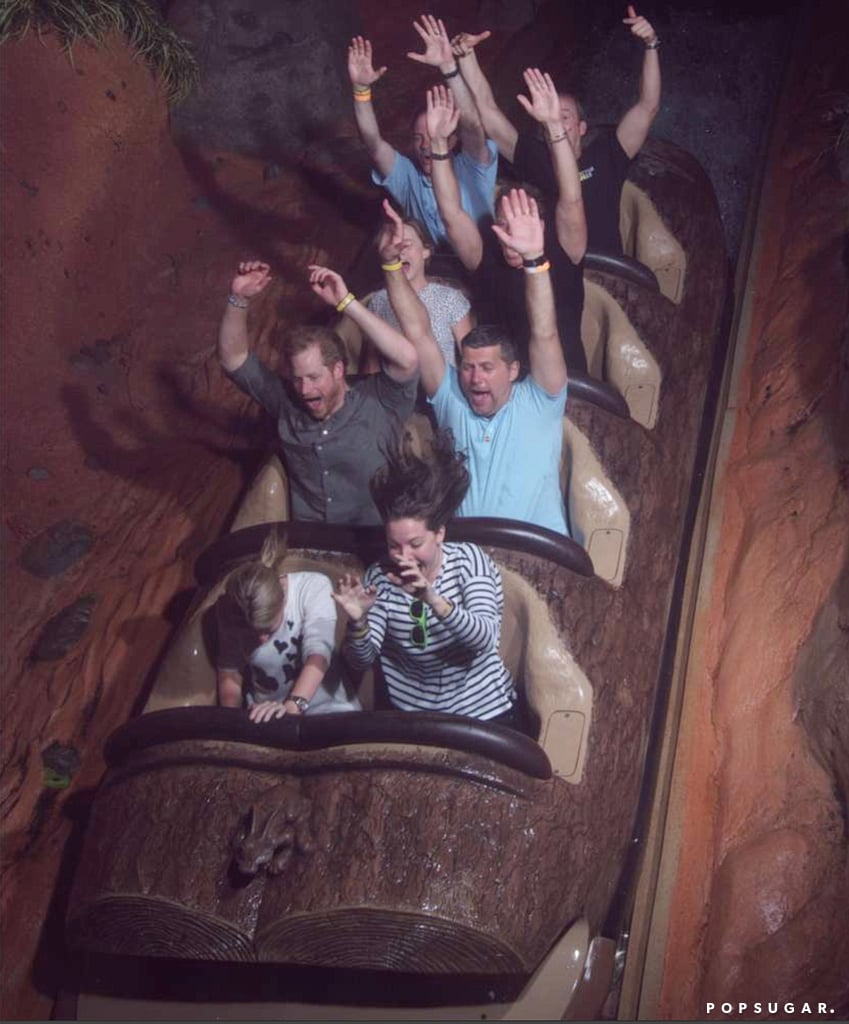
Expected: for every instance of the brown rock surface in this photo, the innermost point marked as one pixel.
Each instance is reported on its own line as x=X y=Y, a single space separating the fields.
x=117 y=255
x=761 y=891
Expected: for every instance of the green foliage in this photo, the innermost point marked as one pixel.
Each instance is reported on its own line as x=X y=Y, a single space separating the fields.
x=92 y=20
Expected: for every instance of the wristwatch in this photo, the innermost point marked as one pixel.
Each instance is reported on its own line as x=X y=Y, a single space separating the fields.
x=302 y=703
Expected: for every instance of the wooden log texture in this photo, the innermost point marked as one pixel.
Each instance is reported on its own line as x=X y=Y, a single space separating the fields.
x=384 y=869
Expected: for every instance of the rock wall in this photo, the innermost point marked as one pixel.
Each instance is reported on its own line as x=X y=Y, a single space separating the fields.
x=761 y=891
x=124 y=446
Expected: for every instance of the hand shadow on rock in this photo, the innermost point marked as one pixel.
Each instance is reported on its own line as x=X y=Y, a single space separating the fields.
x=156 y=448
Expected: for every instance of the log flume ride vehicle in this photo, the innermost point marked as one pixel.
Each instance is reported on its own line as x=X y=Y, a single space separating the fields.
x=407 y=859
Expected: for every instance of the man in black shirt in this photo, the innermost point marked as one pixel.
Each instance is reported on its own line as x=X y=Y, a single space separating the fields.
x=495 y=270
x=603 y=162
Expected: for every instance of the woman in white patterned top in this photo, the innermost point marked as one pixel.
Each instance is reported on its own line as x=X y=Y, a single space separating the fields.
x=448 y=308
x=432 y=614
x=276 y=635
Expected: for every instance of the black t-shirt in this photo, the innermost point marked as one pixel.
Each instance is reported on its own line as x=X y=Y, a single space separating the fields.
x=603 y=166
x=499 y=297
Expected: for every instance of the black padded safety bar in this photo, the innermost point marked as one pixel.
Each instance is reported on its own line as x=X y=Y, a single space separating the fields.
x=453 y=732
x=628 y=269
x=368 y=543
x=599 y=393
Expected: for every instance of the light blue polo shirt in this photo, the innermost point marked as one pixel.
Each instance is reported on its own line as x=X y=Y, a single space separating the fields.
x=514 y=457
x=414 y=191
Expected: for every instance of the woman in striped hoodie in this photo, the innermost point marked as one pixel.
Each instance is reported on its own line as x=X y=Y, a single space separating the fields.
x=431 y=614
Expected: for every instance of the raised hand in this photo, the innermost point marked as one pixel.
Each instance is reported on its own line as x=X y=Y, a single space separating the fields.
x=523 y=231
x=442 y=115
x=409 y=577
x=544 y=103
x=391 y=238
x=437 y=44
x=251 y=279
x=353 y=598
x=360 y=67
x=640 y=27
x=327 y=284
x=464 y=42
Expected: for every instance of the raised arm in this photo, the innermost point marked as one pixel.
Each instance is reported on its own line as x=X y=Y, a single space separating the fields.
x=366 y=625
x=438 y=54
x=409 y=308
x=362 y=73
x=250 y=280
x=544 y=107
x=495 y=122
x=524 y=234
x=399 y=356
x=634 y=127
x=463 y=232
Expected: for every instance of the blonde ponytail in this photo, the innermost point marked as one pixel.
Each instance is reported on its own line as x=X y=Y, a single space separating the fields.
x=256 y=587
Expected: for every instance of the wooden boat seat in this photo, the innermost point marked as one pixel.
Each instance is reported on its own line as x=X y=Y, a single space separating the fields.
x=646 y=238
x=557 y=691
x=599 y=518
x=617 y=354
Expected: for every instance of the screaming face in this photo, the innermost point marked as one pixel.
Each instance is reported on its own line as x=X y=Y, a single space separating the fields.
x=486 y=378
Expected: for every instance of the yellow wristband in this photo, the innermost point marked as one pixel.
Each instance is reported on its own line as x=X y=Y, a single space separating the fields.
x=396 y=265
x=541 y=269
x=362 y=97
x=343 y=305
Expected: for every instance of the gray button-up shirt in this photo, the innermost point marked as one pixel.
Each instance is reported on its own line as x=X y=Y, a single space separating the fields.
x=330 y=462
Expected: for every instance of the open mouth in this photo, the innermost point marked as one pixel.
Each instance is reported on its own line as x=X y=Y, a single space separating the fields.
x=480 y=398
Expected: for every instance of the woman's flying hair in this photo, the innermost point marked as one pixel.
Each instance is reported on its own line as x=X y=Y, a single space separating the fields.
x=256 y=588
x=429 y=488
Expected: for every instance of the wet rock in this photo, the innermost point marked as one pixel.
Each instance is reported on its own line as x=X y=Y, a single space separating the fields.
x=57 y=548
x=274 y=74
x=65 y=630
x=61 y=758
x=60 y=762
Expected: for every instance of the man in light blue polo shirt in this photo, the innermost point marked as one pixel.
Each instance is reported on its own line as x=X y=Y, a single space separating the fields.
x=511 y=430
x=406 y=179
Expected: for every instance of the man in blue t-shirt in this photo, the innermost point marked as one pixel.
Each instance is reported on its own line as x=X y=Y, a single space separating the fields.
x=407 y=178
x=510 y=430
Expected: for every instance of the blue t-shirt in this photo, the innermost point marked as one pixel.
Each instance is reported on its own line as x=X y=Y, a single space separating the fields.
x=414 y=191
x=514 y=456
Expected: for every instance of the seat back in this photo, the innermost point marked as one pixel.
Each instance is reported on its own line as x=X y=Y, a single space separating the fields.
x=617 y=354
x=599 y=519
x=267 y=498
x=557 y=691
x=646 y=238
